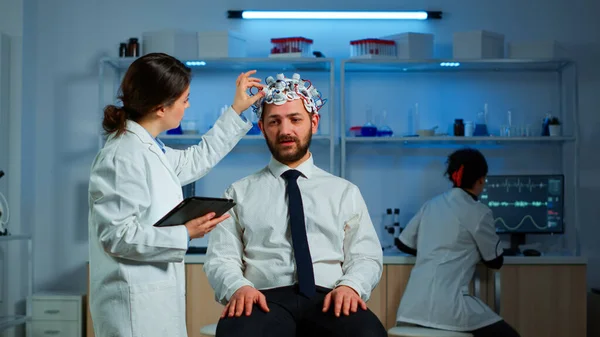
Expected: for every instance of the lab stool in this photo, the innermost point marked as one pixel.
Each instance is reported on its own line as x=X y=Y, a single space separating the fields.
x=208 y=330
x=416 y=331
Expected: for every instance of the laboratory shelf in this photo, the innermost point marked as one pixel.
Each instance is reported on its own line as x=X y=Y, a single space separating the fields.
x=241 y=63
x=461 y=140
x=247 y=140
x=10 y=321
x=454 y=65
x=14 y=237
x=564 y=75
x=114 y=69
x=7 y=322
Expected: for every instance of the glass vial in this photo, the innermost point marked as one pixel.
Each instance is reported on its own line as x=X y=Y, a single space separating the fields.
x=459 y=127
x=133 y=47
x=123 y=50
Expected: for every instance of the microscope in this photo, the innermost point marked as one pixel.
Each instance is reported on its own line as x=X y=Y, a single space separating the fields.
x=392 y=227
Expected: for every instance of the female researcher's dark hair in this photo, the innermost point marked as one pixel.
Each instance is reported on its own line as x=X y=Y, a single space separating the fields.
x=465 y=167
x=152 y=81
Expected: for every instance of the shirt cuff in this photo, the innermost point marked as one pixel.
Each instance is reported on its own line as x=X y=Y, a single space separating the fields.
x=240 y=122
x=234 y=287
x=491 y=254
x=403 y=240
x=355 y=287
x=174 y=230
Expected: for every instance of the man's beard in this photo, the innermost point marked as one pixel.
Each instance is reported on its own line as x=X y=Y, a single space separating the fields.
x=287 y=157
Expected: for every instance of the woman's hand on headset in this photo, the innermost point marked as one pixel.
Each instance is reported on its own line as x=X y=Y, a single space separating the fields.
x=242 y=99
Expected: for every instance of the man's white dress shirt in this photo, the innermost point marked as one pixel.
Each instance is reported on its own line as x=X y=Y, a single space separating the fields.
x=254 y=247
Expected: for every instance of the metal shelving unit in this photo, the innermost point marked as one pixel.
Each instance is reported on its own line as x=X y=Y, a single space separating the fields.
x=326 y=65
x=188 y=139
x=454 y=65
x=459 y=140
x=7 y=322
x=558 y=66
x=216 y=65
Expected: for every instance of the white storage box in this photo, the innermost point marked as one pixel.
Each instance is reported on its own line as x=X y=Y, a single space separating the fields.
x=221 y=44
x=478 y=44
x=179 y=44
x=536 y=50
x=415 y=46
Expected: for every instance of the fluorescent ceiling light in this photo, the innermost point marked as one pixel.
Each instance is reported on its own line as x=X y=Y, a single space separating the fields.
x=335 y=15
x=450 y=64
x=195 y=63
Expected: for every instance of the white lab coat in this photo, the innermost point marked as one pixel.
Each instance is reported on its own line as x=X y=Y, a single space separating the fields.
x=451 y=234
x=137 y=280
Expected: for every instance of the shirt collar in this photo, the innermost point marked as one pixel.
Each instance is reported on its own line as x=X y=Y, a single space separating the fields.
x=277 y=168
x=142 y=133
x=473 y=196
x=160 y=144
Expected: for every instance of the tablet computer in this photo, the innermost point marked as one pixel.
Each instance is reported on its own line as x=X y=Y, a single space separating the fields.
x=195 y=207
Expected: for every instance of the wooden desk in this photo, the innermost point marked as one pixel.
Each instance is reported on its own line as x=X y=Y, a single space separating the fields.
x=539 y=296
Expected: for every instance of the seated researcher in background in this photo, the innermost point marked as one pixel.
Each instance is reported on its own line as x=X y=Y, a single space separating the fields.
x=299 y=255
x=449 y=235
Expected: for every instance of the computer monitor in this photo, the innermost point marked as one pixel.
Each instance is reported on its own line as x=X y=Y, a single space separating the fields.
x=525 y=204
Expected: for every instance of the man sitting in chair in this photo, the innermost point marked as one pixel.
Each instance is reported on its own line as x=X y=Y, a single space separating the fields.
x=299 y=255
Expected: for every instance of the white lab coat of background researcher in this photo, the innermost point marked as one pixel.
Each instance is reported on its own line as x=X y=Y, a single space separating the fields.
x=451 y=233
x=137 y=280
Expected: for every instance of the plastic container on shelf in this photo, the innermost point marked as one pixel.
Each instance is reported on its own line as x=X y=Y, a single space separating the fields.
x=355 y=131
x=291 y=47
x=373 y=48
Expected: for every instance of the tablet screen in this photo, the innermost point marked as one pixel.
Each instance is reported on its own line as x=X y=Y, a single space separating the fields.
x=195 y=207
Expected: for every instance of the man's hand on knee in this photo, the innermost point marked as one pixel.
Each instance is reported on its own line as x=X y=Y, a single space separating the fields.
x=243 y=300
x=344 y=299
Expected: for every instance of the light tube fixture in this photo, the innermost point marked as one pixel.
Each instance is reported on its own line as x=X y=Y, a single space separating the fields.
x=195 y=63
x=335 y=15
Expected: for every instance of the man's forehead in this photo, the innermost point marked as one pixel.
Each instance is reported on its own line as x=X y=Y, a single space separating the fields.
x=288 y=109
x=288 y=114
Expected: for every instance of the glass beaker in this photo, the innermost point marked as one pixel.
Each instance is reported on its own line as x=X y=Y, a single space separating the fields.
x=546 y=124
x=369 y=129
x=481 y=128
x=414 y=118
x=383 y=129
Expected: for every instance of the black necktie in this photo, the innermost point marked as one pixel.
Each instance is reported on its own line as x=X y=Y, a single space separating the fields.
x=306 y=277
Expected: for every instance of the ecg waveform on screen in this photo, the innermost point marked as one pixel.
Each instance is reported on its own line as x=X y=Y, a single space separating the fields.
x=517 y=204
x=527 y=217
x=519 y=184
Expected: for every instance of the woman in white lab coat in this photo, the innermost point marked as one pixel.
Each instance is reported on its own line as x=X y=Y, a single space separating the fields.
x=449 y=235
x=137 y=280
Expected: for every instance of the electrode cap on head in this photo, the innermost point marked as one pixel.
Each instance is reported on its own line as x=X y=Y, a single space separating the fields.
x=282 y=90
